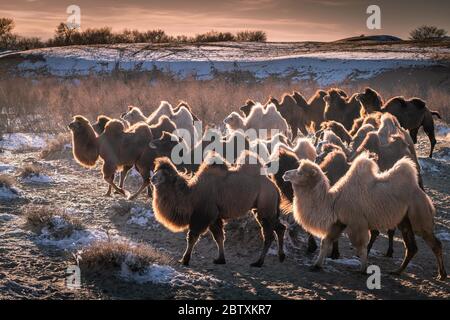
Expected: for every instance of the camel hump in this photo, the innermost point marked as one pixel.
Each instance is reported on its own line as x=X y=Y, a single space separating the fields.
x=114 y=127
x=419 y=103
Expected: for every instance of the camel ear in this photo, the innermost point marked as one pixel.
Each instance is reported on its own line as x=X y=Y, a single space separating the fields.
x=130 y=108
x=358 y=97
x=326 y=98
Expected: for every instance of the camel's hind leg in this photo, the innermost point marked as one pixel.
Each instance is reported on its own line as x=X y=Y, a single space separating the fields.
x=268 y=235
x=216 y=230
x=326 y=243
x=192 y=238
x=436 y=245
x=123 y=175
x=279 y=232
x=413 y=133
x=108 y=175
x=410 y=244
x=428 y=127
x=390 y=250
x=373 y=236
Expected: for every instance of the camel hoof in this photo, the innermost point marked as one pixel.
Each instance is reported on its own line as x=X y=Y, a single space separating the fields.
x=315 y=268
x=312 y=246
x=281 y=257
x=442 y=277
x=257 y=264
x=131 y=197
x=219 y=261
x=335 y=255
x=395 y=272
x=108 y=195
x=184 y=262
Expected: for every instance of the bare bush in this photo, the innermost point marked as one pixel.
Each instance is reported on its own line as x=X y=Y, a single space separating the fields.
x=57 y=147
x=424 y=33
x=56 y=222
x=29 y=170
x=107 y=255
x=6 y=181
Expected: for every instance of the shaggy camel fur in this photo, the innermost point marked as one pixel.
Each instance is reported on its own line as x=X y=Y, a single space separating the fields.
x=372 y=118
x=229 y=147
x=187 y=106
x=364 y=199
x=260 y=118
x=303 y=149
x=294 y=113
x=215 y=193
x=330 y=137
x=247 y=107
x=411 y=114
x=337 y=128
x=360 y=135
x=183 y=119
x=341 y=109
x=119 y=149
x=312 y=109
x=99 y=126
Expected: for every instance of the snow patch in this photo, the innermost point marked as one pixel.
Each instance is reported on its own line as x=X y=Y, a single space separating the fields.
x=354 y=262
x=428 y=165
x=7 y=168
x=77 y=239
x=141 y=216
x=154 y=273
x=9 y=193
x=444 y=236
x=38 y=178
x=5 y=217
x=18 y=141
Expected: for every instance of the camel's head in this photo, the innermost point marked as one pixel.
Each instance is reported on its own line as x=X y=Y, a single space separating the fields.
x=233 y=121
x=79 y=124
x=299 y=99
x=308 y=174
x=165 y=172
x=370 y=100
x=326 y=149
x=164 y=144
x=335 y=97
x=99 y=126
x=247 y=107
x=133 y=115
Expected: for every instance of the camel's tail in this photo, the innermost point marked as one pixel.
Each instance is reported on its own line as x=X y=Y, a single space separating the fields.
x=435 y=113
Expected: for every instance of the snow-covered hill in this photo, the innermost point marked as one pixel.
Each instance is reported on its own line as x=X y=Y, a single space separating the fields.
x=323 y=63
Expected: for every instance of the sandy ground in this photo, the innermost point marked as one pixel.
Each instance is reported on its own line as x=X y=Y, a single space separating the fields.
x=31 y=269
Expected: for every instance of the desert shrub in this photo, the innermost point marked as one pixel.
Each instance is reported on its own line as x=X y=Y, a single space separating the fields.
x=427 y=33
x=57 y=147
x=107 y=255
x=29 y=170
x=251 y=36
x=214 y=36
x=6 y=181
x=53 y=220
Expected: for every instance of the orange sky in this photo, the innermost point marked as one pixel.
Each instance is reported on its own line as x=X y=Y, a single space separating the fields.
x=283 y=20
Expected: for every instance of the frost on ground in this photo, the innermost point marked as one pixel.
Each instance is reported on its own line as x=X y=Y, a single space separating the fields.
x=9 y=193
x=38 y=178
x=21 y=141
x=443 y=236
x=76 y=240
x=141 y=216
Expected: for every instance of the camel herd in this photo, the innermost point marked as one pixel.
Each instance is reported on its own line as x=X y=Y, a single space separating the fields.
x=339 y=163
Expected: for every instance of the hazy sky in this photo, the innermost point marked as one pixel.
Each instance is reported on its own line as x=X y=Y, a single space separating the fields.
x=283 y=20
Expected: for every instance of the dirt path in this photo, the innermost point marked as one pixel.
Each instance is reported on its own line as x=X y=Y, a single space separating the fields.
x=31 y=268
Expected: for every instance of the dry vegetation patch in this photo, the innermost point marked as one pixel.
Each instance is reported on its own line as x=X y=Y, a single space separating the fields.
x=51 y=220
x=57 y=147
x=109 y=255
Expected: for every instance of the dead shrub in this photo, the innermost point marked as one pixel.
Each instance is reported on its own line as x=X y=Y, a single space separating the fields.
x=57 y=147
x=53 y=220
x=108 y=255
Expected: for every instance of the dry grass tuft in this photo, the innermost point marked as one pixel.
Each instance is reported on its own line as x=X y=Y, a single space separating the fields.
x=58 y=223
x=56 y=148
x=29 y=170
x=6 y=181
x=108 y=255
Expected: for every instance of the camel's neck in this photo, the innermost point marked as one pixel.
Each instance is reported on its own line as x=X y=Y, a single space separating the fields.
x=173 y=202
x=85 y=147
x=313 y=207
